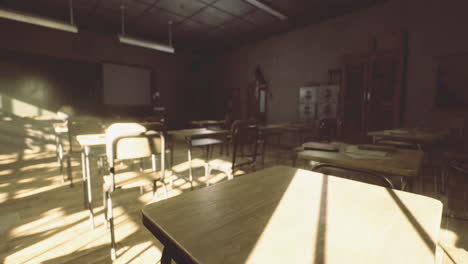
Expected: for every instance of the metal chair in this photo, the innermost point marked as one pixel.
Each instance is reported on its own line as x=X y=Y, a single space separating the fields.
x=60 y=131
x=169 y=140
x=244 y=135
x=452 y=166
x=76 y=126
x=130 y=141
x=354 y=174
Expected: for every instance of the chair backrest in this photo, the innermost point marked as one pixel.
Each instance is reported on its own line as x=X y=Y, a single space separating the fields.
x=354 y=174
x=82 y=125
x=244 y=134
x=132 y=141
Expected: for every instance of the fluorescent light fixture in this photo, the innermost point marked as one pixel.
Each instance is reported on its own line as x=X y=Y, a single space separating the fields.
x=267 y=9
x=37 y=20
x=145 y=44
x=123 y=38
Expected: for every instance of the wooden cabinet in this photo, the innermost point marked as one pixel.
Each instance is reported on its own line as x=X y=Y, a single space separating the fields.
x=371 y=98
x=352 y=106
x=384 y=92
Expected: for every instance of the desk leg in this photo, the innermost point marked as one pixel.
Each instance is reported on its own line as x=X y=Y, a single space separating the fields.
x=189 y=154
x=85 y=179
x=89 y=191
x=407 y=184
x=403 y=183
x=166 y=256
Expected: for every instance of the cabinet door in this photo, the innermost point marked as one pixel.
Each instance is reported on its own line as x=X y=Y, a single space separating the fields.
x=352 y=101
x=383 y=98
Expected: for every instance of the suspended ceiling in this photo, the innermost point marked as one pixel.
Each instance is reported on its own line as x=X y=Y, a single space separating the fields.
x=197 y=23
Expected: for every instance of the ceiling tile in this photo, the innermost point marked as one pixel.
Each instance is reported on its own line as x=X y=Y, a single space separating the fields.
x=191 y=26
x=85 y=5
x=108 y=16
x=159 y=16
x=149 y=2
x=132 y=8
x=216 y=22
x=239 y=26
x=212 y=16
x=238 y=8
x=181 y=7
x=190 y=31
x=259 y=17
x=110 y=4
x=207 y=1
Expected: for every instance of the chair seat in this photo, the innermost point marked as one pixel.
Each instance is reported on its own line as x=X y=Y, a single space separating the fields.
x=201 y=142
x=132 y=179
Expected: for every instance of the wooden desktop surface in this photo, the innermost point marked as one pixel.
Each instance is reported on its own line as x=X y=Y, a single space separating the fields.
x=399 y=162
x=413 y=135
x=287 y=215
x=208 y=122
x=91 y=139
x=197 y=132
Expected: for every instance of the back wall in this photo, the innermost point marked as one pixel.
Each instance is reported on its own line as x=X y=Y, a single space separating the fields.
x=435 y=28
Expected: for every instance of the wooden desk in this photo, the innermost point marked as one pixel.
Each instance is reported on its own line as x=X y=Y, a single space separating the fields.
x=272 y=127
x=402 y=163
x=418 y=136
x=297 y=129
x=198 y=137
x=86 y=142
x=206 y=123
x=287 y=215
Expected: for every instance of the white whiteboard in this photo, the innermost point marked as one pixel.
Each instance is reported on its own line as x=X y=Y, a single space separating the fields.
x=126 y=85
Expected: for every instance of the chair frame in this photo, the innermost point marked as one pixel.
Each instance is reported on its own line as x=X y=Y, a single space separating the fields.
x=108 y=190
x=59 y=149
x=68 y=155
x=451 y=165
x=237 y=128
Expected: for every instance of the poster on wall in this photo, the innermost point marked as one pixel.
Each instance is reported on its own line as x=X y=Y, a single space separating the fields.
x=307 y=103
x=327 y=101
x=318 y=102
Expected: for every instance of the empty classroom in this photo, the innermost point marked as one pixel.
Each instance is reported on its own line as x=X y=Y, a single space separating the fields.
x=233 y=131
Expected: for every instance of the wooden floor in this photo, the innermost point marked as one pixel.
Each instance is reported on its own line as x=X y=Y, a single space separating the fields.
x=42 y=220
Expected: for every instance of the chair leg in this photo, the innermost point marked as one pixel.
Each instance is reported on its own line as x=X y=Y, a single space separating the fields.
x=141 y=163
x=60 y=162
x=229 y=175
x=171 y=181
x=101 y=165
x=85 y=183
x=165 y=188
x=207 y=149
x=207 y=174
x=189 y=154
x=104 y=200
x=263 y=155
x=69 y=170
x=172 y=155
x=111 y=223
x=154 y=191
